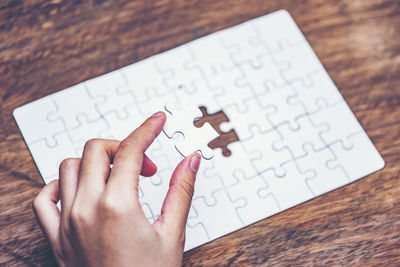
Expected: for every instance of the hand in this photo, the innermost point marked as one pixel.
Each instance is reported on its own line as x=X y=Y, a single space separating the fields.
x=101 y=222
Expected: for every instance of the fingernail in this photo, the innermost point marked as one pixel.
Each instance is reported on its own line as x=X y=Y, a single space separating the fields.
x=157 y=114
x=195 y=162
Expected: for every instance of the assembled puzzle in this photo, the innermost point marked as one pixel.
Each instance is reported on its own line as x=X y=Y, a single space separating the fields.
x=296 y=138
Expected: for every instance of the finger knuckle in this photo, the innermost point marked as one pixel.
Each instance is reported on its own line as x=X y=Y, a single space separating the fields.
x=113 y=205
x=67 y=164
x=78 y=216
x=149 y=127
x=37 y=203
x=129 y=143
x=93 y=144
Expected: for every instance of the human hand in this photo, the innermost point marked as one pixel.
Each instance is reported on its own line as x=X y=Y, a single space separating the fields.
x=101 y=222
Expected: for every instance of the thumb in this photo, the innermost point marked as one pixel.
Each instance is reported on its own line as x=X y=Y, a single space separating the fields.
x=177 y=202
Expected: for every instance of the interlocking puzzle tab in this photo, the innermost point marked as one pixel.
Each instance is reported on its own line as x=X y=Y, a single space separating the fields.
x=180 y=121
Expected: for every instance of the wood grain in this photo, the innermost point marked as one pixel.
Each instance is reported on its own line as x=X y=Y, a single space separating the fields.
x=46 y=46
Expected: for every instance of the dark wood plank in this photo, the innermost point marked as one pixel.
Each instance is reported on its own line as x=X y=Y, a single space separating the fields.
x=46 y=46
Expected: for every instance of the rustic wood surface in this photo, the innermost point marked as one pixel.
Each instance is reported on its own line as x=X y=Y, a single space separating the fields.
x=46 y=46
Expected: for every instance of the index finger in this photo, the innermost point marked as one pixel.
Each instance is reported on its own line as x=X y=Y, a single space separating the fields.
x=128 y=160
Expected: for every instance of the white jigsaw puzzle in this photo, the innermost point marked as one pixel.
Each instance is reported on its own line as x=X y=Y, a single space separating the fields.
x=298 y=139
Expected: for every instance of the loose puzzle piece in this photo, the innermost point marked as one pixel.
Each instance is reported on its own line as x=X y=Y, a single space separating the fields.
x=288 y=131
x=194 y=139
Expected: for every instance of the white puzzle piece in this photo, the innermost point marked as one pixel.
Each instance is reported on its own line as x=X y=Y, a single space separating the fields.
x=41 y=128
x=335 y=127
x=105 y=90
x=294 y=140
x=198 y=232
x=244 y=44
x=361 y=148
x=256 y=205
x=321 y=88
x=227 y=168
x=214 y=218
x=289 y=190
x=144 y=76
x=181 y=75
x=194 y=139
x=48 y=158
x=297 y=137
x=321 y=179
x=200 y=95
x=259 y=78
x=242 y=121
x=276 y=28
x=72 y=103
x=209 y=55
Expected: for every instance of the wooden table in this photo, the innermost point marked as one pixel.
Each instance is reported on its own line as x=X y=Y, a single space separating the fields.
x=46 y=46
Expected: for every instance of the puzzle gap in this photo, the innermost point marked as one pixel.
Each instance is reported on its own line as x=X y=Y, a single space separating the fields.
x=224 y=138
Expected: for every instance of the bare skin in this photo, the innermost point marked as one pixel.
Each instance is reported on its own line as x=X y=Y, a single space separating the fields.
x=101 y=222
